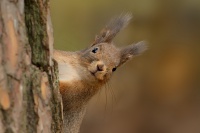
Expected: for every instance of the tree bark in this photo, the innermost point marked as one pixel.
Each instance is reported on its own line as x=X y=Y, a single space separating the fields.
x=29 y=98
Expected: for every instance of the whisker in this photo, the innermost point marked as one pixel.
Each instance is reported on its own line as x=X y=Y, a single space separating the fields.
x=113 y=93
x=98 y=96
x=106 y=97
x=112 y=96
x=105 y=108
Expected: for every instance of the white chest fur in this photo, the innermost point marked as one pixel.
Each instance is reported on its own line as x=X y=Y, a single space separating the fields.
x=67 y=72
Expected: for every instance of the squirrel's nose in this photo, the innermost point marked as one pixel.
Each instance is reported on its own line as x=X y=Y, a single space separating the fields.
x=100 y=67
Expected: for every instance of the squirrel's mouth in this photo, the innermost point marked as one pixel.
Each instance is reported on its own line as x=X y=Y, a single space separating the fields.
x=98 y=75
x=93 y=73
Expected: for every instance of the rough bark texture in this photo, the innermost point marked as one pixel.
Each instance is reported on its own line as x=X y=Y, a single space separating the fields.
x=29 y=98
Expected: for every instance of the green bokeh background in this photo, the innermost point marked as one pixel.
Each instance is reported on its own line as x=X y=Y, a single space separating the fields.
x=157 y=92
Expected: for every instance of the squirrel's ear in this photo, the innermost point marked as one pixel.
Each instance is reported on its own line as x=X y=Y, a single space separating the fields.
x=112 y=28
x=132 y=50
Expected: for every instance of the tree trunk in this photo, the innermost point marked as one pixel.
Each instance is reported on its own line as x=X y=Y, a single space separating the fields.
x=29 y=98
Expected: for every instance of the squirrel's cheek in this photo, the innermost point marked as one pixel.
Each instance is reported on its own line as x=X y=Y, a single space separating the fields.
x=92 y=67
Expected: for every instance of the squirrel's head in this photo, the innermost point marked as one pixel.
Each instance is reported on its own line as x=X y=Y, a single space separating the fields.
x=83 y=72
x=102 y=58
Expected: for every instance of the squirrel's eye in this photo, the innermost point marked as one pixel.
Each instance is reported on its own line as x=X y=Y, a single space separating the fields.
x=114 y=69
x=95 y=50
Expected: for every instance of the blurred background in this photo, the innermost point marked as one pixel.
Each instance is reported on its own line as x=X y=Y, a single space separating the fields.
x=157 y=92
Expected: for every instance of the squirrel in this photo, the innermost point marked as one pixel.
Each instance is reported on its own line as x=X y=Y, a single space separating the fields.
x=83 y=73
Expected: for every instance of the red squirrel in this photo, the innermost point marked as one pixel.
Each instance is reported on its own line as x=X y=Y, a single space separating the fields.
x=83 y=73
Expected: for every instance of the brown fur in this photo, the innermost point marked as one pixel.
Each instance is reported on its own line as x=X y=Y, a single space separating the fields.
x=84 y=72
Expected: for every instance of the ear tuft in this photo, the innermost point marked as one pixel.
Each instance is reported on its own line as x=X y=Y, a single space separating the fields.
x=132 y=50
x=119 y=23
x=112 y=28
x=139 y=48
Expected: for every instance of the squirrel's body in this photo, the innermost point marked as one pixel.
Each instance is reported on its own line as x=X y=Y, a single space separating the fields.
x=83 y=73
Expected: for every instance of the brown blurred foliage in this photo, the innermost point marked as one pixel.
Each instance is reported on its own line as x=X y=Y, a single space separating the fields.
x=157 y=92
